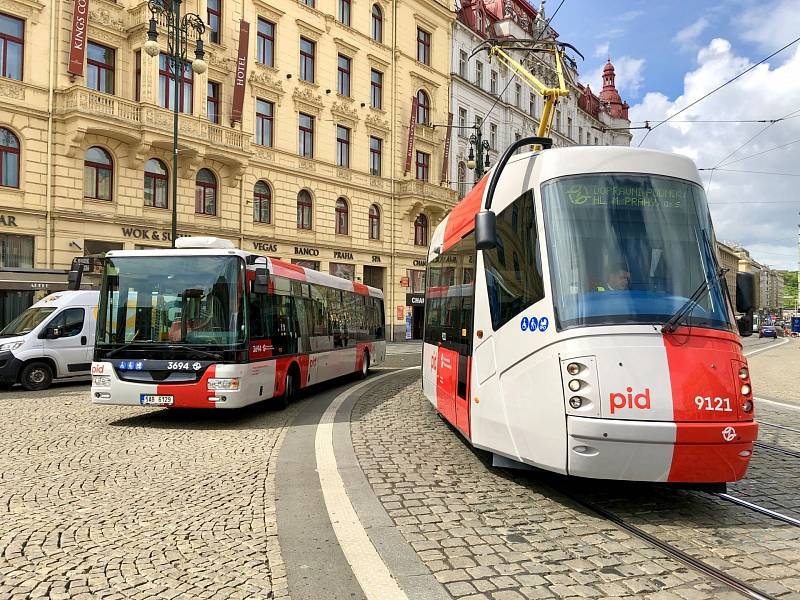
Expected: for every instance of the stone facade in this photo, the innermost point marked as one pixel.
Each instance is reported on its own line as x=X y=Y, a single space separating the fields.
x=58 y=117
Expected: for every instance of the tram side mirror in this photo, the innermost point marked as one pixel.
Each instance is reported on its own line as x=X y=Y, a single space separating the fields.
x=745 y=292
x=260 y=285
x=74 y=277
x=745 y=325
x=485 y=230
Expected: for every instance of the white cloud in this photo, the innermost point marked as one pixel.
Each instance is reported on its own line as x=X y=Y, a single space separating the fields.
x=758 y=211
x=601 y=51
x=687 y=37
x=769 y=24
x=629 y=72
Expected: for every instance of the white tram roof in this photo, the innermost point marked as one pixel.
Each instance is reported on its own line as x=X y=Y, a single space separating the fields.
x=208 y=247
x=529 y=170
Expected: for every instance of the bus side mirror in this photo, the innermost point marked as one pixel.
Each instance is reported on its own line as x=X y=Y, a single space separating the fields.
x=260 y=285
x=485 y=230
x=74 y=277
x=745 y=292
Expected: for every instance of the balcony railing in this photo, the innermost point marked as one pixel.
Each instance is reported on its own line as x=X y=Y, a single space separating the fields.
x=135 y=115
x=426 y=189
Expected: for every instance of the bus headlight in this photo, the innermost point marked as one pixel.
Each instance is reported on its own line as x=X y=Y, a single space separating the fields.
x=101 y=380
x=230 y=383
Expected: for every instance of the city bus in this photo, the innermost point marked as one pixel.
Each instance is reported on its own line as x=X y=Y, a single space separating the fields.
x=576 y=320
x=205 y=325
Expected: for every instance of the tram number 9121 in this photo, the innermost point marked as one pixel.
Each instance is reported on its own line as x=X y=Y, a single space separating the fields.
x=716 y=404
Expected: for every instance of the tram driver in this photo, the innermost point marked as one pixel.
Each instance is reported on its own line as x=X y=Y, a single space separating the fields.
x=617 y=277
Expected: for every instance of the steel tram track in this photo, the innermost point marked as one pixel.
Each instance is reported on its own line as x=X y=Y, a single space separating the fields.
x=774 y=448
x=759 y=509
x=792 y=429
x=732 y=582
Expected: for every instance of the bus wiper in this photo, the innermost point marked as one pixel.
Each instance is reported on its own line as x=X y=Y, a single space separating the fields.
x=675 y=320
x=123 y=347
x=213 y=355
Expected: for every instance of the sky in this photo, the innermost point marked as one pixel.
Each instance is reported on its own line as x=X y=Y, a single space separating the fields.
x=668 y=54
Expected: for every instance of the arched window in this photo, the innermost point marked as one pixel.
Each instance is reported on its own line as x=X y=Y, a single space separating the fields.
x=304 y=206
x=262 y=202
x=205 y=196
x=98 y=174
x=421 y=231
x=423 y=108
x=462 y=178
x=9 y=158
x=155 y=183
x=374 y=222
x=377 y=23
x=341 y=216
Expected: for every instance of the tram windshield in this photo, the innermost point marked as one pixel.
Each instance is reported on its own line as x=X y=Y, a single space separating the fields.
x=629 y=248
x=193 y=300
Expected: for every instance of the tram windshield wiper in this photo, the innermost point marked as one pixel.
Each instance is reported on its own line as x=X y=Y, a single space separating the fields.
x=675 y=320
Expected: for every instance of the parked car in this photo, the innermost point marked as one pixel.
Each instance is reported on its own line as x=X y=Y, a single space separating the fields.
x=54 y=338
x=768 y=331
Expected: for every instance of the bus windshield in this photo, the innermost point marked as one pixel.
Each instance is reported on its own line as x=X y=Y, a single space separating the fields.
x=193 y=300
x=631 y=248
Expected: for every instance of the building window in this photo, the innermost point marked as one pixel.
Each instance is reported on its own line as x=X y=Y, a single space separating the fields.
x=166 y=91
x=262 y=200
x=558 y=121
x=462 y=121
x=596 y=142
x=462 y=63
x=265 y=43
x=423 y=165
x=100 y=68
x=307 y=48
x=423 y=108
x=493 y=83
x=569 y=127
x=423 y=46
x=374 y=222
x=264 y=117
x=205 y=198
x=375 y=156
x=212 y=102
x=462 y=178
x=304 y=206
x=344 y=12
x=137 y=75
x=479 y=74
x=341 y=216
x=532 y=105
x=588 y=138
x=342 y=146
x=478 y=121
x=580 y=135
x=376 y=94
x=155 y=183
x=306 y=141
x=343 y=79
x=16 y=251
x=518 y=95
x=421 y=231
x=310 y=3
x=493 y=136
x=98 y=174
x=9 y=159
x=214 y=21
x=377 y=23
x=12 y=42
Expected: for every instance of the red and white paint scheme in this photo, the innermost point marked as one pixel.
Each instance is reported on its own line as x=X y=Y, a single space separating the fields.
x=596 y=338
x=209 y=326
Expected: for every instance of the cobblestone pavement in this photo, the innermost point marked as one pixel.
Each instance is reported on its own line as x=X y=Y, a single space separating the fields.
x=489 y=533
x=124 y=502
x=776 y=372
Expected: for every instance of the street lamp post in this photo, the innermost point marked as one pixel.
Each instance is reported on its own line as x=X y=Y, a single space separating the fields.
x=178 y=30
x=478 y=160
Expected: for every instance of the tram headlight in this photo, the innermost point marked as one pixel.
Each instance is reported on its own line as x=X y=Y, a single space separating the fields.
x=101 y=380
x=576 y=402
x=228 y=383
x=745 y=389
x=573 y=368
x=748 y=406
x=744 y=373
x=574 y=384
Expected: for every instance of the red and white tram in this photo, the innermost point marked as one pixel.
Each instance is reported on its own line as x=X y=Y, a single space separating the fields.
x=588 y=330
x=208 y=326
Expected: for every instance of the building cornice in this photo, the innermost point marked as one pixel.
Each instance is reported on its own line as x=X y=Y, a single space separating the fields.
x=30 y=9
x=266 y=9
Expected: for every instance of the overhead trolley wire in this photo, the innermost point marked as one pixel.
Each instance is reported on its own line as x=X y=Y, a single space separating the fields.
x=716 y=89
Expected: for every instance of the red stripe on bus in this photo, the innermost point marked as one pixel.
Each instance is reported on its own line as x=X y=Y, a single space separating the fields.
x=712 y=453
x=360 y=288
x=461 y=219
x=190 y=395
x=284 y=269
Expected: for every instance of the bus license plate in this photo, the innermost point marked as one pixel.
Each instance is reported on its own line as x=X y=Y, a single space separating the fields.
x=154 y=400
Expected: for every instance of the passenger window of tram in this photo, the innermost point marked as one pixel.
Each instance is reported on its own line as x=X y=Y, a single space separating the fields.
x=513 y=288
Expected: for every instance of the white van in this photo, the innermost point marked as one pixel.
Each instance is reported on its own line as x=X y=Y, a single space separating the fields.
x=52 y=339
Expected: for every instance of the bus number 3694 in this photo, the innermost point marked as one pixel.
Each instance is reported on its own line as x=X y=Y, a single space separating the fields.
x=709 y=403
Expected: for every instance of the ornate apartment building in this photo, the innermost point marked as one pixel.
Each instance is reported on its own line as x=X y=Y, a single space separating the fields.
x=315 y=166
x=488 y=95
